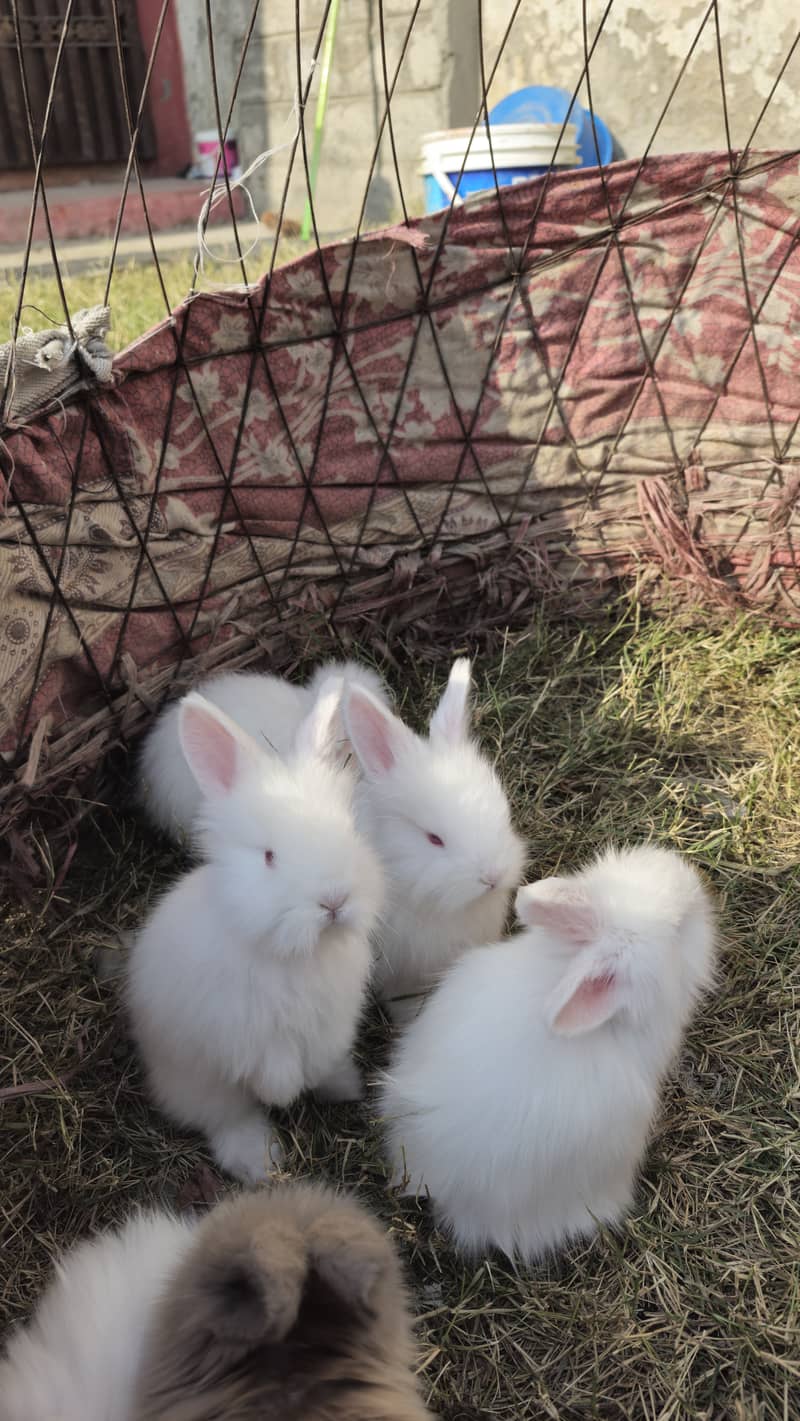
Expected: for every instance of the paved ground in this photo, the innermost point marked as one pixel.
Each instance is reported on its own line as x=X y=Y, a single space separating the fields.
x=82 y=252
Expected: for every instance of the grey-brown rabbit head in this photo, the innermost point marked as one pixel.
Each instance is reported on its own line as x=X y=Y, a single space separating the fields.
x=289 y=1305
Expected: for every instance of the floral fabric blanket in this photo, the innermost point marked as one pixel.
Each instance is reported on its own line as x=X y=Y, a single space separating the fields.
x=543 y=391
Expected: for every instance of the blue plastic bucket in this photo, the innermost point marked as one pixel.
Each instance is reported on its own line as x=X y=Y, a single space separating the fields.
x=541 y=104
x=518 y=151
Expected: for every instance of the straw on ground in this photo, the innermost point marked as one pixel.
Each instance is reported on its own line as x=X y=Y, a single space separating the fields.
x=623 y=729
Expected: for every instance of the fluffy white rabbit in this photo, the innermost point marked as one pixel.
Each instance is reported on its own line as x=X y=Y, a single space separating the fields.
x=246 y=984
x=79 y=1358
x=269 y=708
x=522 y=1096
x=286 y=1303
x=438 y=817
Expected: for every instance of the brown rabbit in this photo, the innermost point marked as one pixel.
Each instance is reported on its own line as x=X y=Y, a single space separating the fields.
x=289 y=1306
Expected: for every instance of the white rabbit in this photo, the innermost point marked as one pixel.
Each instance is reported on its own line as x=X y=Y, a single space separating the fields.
x=79 y=1358
x=246 y=983
x=269 y=708
x=433 y=808
x=438 y=817
x=522 y=1096
x=285 y=1303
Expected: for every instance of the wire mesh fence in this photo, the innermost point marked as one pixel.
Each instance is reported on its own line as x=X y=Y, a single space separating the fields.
x=407 y=433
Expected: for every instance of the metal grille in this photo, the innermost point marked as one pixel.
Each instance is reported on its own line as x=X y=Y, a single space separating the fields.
x=88 y=122
x=407 y=440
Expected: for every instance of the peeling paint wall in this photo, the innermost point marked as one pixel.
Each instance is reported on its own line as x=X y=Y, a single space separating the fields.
x=639 y=55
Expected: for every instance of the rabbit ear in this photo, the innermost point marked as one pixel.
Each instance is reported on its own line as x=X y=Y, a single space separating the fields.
x=244 y=1290
x=235 y=1304
x=237 y=1290
x=589 y=995
x=377 y=737
x=560 y=906
x=349 y=1258
x=450 y=720
x=215 y=748
x=319 y=731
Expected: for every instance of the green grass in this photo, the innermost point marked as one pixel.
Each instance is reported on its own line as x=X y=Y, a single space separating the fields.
x=136 y=296
x=682 y=728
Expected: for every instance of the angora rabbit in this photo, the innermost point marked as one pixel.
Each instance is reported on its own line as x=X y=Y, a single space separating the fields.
x=438 y=817
x=79 y=1358
x=523 y=1094
x=246 y=984
x=286 y=1305
x=269 y=708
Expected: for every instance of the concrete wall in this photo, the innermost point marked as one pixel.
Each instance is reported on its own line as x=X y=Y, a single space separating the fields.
x=230 y=19
x=438 y=87
x=637 y=59
x=639 y=56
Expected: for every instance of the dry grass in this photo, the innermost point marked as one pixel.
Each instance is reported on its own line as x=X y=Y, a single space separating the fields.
x=677 y=728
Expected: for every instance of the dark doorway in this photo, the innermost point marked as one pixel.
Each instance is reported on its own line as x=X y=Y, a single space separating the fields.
x=88 y=122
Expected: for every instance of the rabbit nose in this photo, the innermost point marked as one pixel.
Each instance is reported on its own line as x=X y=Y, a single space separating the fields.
x=490 y=880
x=333 y=904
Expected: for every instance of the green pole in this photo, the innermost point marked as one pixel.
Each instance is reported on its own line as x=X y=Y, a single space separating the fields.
x=319 y=116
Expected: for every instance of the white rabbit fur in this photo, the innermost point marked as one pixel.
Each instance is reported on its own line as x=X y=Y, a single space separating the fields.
x=441 y=897
x=269 y=708
x=522 y=1096
x=246 y=984
x=79 y=1358
x=281 y=1302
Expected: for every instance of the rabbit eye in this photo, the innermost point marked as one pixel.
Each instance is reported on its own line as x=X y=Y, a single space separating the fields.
x=269 y=856
x=435 y=839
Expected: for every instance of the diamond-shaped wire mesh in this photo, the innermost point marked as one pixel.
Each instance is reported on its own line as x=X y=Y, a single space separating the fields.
x=407 y=433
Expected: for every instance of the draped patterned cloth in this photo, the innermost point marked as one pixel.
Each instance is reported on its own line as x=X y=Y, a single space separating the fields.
x=543 y=391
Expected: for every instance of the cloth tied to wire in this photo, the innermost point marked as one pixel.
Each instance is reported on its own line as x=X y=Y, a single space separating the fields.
x=52 y=364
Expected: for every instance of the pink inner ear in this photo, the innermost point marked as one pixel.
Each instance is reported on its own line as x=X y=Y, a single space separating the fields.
x=210 y=748
x=590 y=1005
x=567 y=918
x=371 y=734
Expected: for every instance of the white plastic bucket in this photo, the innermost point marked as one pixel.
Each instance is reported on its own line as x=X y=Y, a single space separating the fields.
x=517 y=151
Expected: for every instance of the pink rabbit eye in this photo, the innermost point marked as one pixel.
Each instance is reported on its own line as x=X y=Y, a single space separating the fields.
x=434 y=839
x=269 y=856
